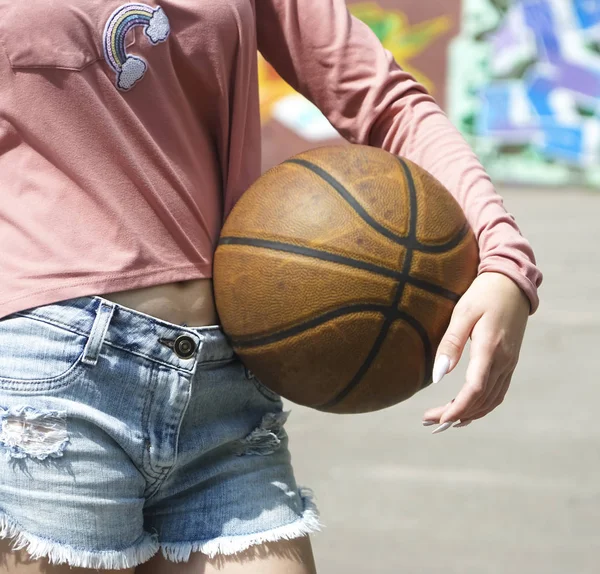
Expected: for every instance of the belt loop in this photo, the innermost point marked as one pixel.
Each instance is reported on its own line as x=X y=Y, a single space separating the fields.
x=103 y=316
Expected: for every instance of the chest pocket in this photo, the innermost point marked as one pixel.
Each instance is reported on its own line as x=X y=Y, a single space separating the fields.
x=60 y=34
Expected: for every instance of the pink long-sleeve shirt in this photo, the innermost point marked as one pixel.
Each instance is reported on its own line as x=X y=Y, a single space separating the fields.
x=129 y=130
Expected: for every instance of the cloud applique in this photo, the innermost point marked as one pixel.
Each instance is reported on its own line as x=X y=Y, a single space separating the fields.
x=159 y=27
x=132 y=71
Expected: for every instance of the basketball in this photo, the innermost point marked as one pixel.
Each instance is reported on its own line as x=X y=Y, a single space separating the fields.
x=336 y=274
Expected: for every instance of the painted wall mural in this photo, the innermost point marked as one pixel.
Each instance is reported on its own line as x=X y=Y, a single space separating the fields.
x=524 y=88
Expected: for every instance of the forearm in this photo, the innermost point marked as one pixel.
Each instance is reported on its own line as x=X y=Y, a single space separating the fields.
x=416 y=128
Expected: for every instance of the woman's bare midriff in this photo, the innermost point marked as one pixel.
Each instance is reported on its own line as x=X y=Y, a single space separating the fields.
x=184 y=302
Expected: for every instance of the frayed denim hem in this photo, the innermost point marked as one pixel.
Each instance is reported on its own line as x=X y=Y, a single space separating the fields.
x=139 y=552
x=306 y=524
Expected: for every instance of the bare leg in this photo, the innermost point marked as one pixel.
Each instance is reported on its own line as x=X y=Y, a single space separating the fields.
x=283 y=557
x=19 y=562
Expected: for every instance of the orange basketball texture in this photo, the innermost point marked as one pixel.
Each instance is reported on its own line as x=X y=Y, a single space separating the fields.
x=336 y=275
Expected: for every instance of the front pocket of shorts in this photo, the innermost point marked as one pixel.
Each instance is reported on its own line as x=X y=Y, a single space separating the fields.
x=266 y=392
x=36 y=354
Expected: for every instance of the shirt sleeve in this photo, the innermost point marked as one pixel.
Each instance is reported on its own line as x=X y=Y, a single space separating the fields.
x=338 y=63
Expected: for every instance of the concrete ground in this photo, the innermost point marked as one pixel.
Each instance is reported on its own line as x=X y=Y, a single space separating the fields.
x=516 y=492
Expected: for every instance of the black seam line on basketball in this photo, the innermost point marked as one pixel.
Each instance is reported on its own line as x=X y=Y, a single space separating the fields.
x=433 y=288
x=347 y=196
x=412 y=206
x=427 y=349
x=362 y=370
x=315 y=322
x=312 y=253
x=340 y=259
x=444 y=246
x=376 y=348
x=360 y=210
x=422 y=332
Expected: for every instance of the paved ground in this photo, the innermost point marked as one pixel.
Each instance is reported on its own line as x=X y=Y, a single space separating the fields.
x=518 y=491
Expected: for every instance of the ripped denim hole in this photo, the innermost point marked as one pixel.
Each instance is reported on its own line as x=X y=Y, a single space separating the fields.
x=266 y=438
x=28 y=432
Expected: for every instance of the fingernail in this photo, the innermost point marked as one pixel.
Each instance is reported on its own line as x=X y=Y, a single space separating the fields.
x=443 y=427
x=460 y=424
x=428 y=423
x=440 y=368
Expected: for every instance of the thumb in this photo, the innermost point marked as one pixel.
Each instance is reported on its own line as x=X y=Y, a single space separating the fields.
x=453 y=342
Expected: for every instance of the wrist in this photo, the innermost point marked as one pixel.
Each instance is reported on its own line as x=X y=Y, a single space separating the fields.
x=507 y=282
x=525 y=276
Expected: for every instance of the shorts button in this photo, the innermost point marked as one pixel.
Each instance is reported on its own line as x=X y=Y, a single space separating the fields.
x=184 y=346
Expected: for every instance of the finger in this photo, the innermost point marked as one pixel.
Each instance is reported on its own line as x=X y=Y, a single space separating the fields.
x=495 y=379
x=495 y=399
x=474 y=390
x=461 y=424
x=454 y=340
x=433 y=415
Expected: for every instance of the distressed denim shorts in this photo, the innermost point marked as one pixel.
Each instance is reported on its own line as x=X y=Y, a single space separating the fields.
x=122 y=434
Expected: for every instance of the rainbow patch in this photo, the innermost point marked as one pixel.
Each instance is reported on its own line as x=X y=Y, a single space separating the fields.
x=131 y=69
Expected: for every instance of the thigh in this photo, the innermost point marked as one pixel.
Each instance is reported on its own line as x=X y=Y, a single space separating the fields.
x=283 y=557
x=18 y=562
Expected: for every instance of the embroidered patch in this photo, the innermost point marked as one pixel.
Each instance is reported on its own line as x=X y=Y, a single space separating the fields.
x=131 y=69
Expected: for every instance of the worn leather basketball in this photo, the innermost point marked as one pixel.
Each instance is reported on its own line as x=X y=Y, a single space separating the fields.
x=336 y=275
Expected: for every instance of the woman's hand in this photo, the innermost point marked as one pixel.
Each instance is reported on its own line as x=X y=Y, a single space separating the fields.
x=494 y=313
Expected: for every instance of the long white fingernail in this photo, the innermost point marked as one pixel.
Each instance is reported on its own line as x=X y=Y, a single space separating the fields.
x=440 y=368
x=428 y=423
x=443 y=427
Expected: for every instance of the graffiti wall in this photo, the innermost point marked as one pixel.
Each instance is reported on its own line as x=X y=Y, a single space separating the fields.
x=417 y=33
x=524 y=88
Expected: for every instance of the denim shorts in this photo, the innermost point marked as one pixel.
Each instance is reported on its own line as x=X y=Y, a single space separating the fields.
x=122 y=434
